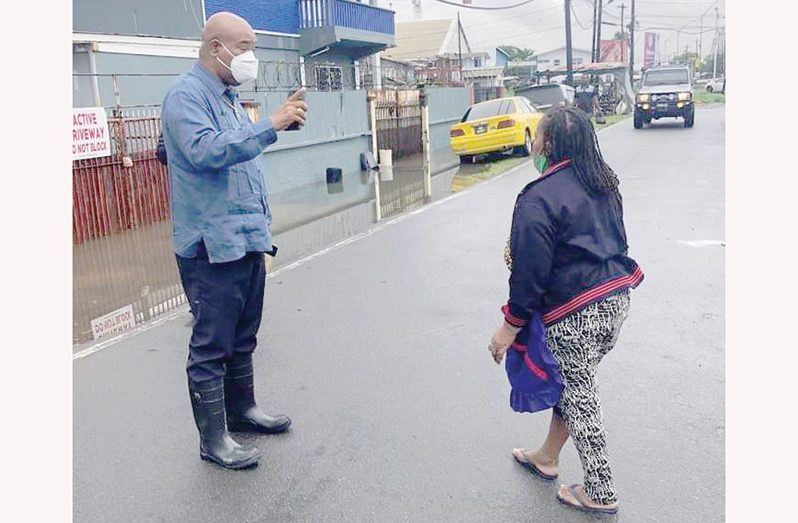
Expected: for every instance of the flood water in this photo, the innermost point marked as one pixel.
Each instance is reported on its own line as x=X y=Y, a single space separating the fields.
x=137 y=267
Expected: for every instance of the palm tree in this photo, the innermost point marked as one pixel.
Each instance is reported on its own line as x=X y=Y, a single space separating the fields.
x=516 y=54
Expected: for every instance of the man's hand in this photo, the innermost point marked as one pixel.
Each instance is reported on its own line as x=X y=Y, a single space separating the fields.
x=501 y=341
x=293 y=110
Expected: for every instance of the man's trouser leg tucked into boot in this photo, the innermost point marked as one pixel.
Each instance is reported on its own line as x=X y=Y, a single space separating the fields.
x=223 y=296
x=243 y=414
x=216 y=444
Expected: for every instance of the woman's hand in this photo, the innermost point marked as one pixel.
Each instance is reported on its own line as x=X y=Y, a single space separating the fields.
x=501 y=341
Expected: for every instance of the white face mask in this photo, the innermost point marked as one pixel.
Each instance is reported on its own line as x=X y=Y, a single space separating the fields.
x=244 y=66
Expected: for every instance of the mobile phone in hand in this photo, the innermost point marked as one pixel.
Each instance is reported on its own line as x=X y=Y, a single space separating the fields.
x=296 y=126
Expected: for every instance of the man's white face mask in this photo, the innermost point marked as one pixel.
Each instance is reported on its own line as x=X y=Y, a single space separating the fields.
x=244 y=66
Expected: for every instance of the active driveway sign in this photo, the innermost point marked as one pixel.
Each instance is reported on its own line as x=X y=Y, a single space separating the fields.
x=90 y=133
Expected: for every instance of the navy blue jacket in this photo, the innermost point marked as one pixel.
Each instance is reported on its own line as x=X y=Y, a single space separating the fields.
x=568 y=248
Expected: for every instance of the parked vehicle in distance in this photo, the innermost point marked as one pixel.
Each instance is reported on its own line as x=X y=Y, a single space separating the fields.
x=665 y=91
x=545 y=96
x=716 y=85
x=494 y=126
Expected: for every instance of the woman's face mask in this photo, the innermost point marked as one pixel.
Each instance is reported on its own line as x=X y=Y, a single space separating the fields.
x=540 y=159
x=541 y=162
x=244 y=66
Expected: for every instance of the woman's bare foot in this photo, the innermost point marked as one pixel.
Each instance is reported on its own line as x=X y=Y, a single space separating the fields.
x=575 y=497
x=545 y=466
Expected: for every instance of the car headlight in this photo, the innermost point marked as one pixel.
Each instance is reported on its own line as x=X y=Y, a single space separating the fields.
x=654 y=97
x=671 y=97
x=641 y=98
x=684 y=96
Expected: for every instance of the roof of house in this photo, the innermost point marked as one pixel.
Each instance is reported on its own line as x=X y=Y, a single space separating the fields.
x=483 y=72
x=561 y=48
x=427 y=39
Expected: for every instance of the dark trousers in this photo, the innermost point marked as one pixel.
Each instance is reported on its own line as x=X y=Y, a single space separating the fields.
x=227 y=302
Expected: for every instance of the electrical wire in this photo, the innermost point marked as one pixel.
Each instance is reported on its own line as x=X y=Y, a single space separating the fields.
x=573 y=12
x=466 y=6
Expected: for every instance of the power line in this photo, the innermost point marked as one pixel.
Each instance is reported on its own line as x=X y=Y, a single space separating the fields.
x=573 y=12
x=466 y=6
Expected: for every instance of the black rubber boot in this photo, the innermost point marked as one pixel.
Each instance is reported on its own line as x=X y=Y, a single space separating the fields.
x=216 y=444
x=243 y=415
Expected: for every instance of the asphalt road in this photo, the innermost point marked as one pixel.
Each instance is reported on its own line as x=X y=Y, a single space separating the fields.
x=377 y=350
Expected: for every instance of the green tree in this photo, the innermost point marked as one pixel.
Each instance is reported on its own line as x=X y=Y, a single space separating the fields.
x=517 y=54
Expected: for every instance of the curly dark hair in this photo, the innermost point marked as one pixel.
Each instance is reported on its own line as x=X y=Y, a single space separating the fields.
x=570 y=134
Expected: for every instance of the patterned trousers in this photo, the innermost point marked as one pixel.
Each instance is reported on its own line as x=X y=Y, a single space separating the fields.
x=578 y=343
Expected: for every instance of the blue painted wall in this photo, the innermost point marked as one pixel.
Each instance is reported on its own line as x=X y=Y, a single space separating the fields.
x=279 y=16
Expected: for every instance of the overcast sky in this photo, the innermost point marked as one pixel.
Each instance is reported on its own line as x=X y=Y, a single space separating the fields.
x=540 y=25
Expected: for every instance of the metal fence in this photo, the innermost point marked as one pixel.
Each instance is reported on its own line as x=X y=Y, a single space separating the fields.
x=122 y=252
x=399 y=121
x=127 y=189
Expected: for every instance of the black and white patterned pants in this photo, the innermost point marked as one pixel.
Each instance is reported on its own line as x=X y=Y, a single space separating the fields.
x=578 y=343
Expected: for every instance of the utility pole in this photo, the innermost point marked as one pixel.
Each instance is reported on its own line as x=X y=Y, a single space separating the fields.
x=701 y=32
x=632 y=45
x=623 y=33
x=598 y=31
x=593 y=36
x=717 y=44
x=678 y=33
x=569 y=54
x=459 y=48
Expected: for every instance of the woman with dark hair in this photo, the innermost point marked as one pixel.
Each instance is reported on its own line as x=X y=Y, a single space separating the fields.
x=567 y=255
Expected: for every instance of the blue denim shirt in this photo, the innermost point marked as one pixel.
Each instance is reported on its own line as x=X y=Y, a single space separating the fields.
x=215 y=169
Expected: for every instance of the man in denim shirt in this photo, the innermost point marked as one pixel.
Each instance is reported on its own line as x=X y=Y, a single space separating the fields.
x=221 y=221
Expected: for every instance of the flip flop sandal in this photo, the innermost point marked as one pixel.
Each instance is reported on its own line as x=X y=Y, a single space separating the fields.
x=534 y=469
x=582 y=507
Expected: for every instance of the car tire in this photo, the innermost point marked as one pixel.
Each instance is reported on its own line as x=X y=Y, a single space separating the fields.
x=689 y=120
x=638 y=121
x=466 y=159
x=526 y=149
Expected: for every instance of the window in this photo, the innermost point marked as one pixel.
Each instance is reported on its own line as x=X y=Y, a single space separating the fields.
x=556 y=63
x=578 y=61
x=329 y=78
x=477 y=62
x=483 y=110
x=526 y=106
x=666 y=77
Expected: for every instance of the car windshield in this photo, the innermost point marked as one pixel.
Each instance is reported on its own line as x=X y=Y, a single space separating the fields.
x=487 y=109
x=545 y=95
x=666 y=77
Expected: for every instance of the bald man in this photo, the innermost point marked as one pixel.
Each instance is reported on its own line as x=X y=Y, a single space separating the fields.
x=220 y=219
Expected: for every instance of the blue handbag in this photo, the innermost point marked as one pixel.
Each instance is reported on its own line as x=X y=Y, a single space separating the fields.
x=532 y=370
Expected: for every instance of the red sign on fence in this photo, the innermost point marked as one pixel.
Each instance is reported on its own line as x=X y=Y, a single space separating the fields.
x=90 y=137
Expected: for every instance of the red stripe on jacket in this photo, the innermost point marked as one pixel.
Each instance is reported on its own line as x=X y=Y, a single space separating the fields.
x=594 y=294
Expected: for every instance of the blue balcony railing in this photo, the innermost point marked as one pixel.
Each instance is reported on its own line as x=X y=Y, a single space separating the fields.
x=344 y=13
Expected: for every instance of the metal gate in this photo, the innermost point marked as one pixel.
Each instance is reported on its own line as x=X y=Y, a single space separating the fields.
x=122 y=254
x=399 y=128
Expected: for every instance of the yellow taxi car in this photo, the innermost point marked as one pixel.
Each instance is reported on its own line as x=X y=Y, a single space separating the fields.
x=495 y=126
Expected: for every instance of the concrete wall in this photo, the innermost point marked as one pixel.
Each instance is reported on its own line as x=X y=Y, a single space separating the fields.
x=177 y=19
x=446 y=107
